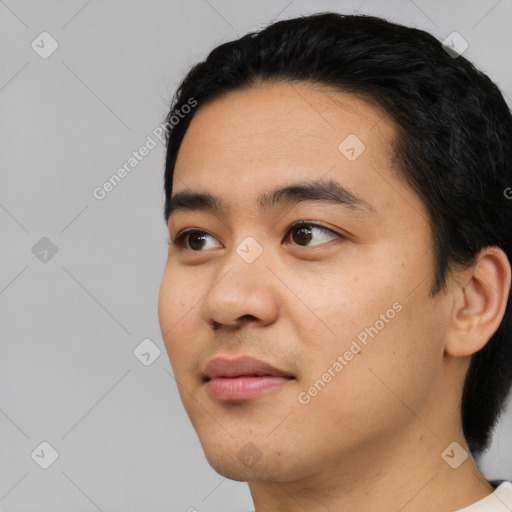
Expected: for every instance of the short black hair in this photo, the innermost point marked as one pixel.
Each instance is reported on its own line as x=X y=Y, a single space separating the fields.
x=453 y=145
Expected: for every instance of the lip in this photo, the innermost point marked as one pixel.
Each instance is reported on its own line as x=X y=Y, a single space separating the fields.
x=242 y=378
x=241 y=366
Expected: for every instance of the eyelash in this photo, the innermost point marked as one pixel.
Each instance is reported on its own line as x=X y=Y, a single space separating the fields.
x=181 y=237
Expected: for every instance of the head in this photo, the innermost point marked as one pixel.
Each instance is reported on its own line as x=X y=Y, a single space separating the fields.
x=395 y=289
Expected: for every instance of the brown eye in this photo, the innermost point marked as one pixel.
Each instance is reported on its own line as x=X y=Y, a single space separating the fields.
x=302 y=233
x=196 y=240
x=192 y=240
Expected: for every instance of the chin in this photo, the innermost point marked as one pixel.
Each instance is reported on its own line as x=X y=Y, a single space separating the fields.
x=244 y=460
x=233 y=470
x=234 y=458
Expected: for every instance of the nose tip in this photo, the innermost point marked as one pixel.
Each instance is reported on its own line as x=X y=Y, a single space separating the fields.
x=243 y=294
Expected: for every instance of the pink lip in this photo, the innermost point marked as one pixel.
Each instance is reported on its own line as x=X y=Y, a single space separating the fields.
x=242 y=378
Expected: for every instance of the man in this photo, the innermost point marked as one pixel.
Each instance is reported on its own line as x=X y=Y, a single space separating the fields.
x=336 y=301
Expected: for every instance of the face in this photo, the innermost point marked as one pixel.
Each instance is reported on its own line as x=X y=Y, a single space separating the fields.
x=334 y=293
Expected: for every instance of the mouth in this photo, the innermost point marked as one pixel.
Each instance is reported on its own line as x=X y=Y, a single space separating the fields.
x=243 y=378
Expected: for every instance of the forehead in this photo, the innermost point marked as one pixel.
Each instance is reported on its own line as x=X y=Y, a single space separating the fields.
x=291 y=111
x=250 y=141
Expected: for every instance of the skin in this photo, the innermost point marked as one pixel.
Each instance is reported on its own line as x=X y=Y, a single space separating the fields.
x=375 y=433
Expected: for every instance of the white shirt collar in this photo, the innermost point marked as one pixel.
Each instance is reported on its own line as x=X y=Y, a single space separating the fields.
x=498 y=501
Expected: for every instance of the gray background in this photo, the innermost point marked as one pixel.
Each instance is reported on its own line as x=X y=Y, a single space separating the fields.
x=70 y=321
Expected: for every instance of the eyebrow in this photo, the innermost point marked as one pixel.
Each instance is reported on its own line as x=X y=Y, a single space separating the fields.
x=325 y=191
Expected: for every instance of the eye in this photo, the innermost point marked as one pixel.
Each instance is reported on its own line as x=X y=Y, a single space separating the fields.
x=304 y=233
x=190 y=240
x=301 y=232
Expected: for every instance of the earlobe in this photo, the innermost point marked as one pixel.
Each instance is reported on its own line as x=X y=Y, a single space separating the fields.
x=480 y=302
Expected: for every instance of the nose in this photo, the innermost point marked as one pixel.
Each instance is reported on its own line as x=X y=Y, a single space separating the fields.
x=243 y=290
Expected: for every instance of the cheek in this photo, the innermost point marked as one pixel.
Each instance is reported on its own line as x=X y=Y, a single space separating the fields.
x=178 y=295
x=345 y=301
x=178 y=313
x=366 y=397
x=369 y=312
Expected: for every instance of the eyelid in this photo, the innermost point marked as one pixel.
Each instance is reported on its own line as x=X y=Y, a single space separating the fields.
x=182 y=233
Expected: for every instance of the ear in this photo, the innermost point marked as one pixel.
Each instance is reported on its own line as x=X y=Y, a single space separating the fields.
x=480 y=299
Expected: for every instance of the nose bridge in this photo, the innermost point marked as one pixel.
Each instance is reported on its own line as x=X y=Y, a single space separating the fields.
x=247 y=251
x=242 y=286
x=245 y=266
